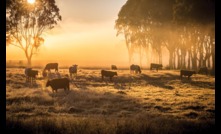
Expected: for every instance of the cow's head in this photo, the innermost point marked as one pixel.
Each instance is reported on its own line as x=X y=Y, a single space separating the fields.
x=74 y=65
x=115 y=73
x=44 y=73
x=194 y=72
x=140 y=71
x=35 y=72
x=48 y=83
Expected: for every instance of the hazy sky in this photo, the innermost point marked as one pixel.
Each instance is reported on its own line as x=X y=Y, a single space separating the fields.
x=86 y=35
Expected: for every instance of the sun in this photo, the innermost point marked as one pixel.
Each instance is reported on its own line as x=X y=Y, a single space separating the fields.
x=31 y=1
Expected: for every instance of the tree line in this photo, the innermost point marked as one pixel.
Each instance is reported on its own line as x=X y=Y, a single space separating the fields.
x=186 y=28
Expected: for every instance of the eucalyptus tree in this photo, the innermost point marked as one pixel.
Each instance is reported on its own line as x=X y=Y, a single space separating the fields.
x=196 y=16
x=137 y=19
x=26 y=22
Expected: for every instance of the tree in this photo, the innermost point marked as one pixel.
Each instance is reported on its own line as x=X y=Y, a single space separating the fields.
x=197 y=15
x=184 y=27
x=138 y=20
x=25 y=24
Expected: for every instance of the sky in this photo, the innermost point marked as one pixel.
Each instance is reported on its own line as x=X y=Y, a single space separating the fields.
x=85 y=36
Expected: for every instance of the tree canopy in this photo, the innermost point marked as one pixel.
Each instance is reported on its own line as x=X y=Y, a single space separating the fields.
x=26 y=22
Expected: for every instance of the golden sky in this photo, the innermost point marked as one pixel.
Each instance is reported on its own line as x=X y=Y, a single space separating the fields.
x=85 y=36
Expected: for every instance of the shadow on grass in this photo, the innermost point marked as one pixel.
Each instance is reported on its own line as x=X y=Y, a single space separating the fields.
x=156 y=80
x=201 y=84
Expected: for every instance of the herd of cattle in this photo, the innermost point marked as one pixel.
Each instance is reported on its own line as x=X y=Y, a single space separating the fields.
x=64 y=82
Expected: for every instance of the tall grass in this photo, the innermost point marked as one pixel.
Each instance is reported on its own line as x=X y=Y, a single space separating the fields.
x=105 y=125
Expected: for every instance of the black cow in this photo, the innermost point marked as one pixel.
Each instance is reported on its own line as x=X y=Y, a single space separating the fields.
x=110 y=74
x=113 y=67
x=155 y=66
x=188 y=73
x=50 y=66
x=73 y=70
x=135 y=68
x=58 y=83
x=203 y=70
x=30 y=75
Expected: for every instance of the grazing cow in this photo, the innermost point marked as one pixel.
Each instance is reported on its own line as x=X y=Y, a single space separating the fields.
x=203 y=70
x=186 y=73
x=113 y=67
x=30 y=74
x=135 y=68
x=156 y=66
x=50 y=66
x=73 y=70
x=110 y=74
x=58 y=83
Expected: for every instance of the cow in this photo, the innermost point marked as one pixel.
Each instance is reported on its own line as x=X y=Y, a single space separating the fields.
x=155 y=66
x=105 y=73
x=135 y=68
x=30 y=74
x=113 y=67
x=73 y=70
x=50 y=66
x=58 y=83
x=203 y=70
x=188 y=73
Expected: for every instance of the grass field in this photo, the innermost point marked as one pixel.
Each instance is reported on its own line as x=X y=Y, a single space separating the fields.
x=151 y=102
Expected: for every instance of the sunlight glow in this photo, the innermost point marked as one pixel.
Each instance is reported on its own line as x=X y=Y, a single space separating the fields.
x=31 y=1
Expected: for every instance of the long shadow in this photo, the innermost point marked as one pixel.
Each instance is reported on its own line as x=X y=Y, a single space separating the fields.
x=159 y=80
x=120 y=81
x=202 y=84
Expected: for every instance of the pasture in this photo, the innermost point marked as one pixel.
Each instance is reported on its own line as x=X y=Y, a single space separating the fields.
x=150 y=102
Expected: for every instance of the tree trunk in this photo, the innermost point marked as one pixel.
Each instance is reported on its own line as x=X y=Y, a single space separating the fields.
x=130 y=56
x=178 y=59
x=174 y=60
x=201 y=57
x=194 y=62
x=141 y=57
x=189 y=58
x=183 y=59
x=29 y=62
x=170 y=59
x=208 y=62
x=28 y=58
x=204 y=62
x=160 y=57
x=147 y=51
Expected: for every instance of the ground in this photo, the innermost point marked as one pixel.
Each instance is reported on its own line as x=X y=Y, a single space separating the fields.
x=150 y=102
